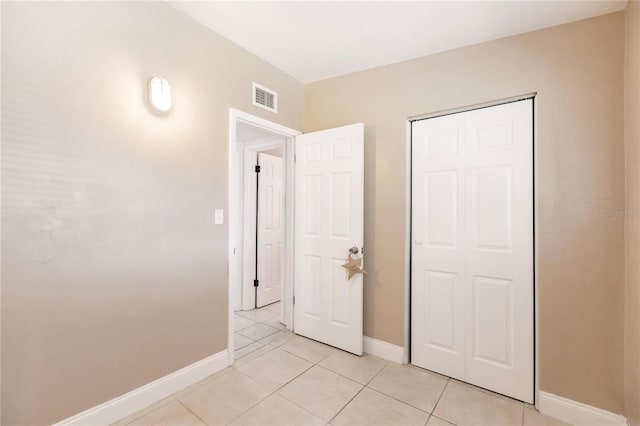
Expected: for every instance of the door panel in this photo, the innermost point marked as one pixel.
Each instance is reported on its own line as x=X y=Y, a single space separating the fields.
x=270 y=229
x=499 y=253
x=437 y=266
x=329 y=200
x=472 y=248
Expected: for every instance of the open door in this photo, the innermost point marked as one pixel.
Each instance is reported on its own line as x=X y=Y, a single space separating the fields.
x=270 y=230
x=329 y=210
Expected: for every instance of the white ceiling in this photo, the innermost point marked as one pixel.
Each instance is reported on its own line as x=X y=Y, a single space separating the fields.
x=317 y=40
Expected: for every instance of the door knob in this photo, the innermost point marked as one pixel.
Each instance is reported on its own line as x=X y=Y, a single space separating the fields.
x=354 y=250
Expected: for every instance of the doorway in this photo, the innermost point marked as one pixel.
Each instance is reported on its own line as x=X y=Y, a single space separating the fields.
x=329 y=228
x=260 y=229
x=472 y=247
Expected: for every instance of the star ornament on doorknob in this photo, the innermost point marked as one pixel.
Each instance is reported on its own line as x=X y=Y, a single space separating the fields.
x=353 y=266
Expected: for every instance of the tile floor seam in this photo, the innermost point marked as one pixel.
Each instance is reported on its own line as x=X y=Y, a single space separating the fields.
x=408 y=403
x=234 y=350
x=301 y=373
x=319 y=366
x=240 y=347
x=191 y=411
x=399 y=400
x=243 y=328
x=248 y=409
x=440 y=418
x=428 y=417
x=270 y=334
x=342 y=375
x=282 y=349
x=379 y=371
x=300 y=406
x=345 y=405
x=439 y=398
x=246 y=355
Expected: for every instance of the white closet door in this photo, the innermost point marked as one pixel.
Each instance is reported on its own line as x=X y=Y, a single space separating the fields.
x=473 y=294
x=499 y=250
x=270 y=229
x=437 y=258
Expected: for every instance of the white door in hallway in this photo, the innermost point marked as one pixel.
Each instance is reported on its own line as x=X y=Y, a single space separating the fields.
x=329 y=209
x=270 y=229
x=472 y=300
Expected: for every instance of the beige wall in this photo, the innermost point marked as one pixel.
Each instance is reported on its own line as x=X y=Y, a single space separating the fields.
x=113 y=273
x=632 y=218
x=577 y=71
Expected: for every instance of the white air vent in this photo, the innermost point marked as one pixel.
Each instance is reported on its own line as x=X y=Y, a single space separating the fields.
x=265 y=98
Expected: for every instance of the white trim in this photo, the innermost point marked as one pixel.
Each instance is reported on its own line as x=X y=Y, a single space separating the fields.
x=235 y=117
x=384 y=350
x=407 y=248
x=577 y=413
x=134 y=401
x=474 y=107
x=287 y=291
x=536 y=255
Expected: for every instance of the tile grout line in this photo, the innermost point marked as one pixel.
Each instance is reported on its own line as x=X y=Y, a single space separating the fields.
x=396 y=399
x=440 y=418
x=191 y=411
x=255 y=350
x=428 y=418
x=405 y=402
x=317 y=363
x=444 y=389
x=298 y=405
x=251 y=407
x=346 y=405
x=313 y=364
x=274 y=392
x=366 y=386
x=255 y=341
x=347 y=377
x=376 y=375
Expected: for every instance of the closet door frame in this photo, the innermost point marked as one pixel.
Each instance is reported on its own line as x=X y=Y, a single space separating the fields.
x=408 y=234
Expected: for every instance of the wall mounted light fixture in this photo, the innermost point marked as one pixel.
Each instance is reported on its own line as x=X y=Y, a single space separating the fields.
x=159 y=92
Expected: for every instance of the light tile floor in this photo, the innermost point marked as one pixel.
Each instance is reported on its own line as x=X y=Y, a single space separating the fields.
x=280 y=379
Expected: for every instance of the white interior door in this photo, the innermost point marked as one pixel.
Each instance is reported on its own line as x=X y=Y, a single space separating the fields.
x=472 y=248
x=329 y=210
x=270 y=229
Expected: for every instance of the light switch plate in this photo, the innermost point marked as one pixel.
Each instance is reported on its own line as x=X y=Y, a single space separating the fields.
x=219 y=217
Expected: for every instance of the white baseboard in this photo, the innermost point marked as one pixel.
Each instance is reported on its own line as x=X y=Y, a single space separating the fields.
x=131 y=402
x=577 y=413
x=383 y=350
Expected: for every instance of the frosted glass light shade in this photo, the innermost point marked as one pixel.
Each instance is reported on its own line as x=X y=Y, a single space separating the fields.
x=159 y=94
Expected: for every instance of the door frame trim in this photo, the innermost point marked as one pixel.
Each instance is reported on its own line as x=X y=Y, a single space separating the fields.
x=536 y=215
x=235 y=117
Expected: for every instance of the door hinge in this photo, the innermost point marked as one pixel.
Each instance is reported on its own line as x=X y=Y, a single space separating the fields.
x=256 y=283
x=257 y=169
x=294 y=300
